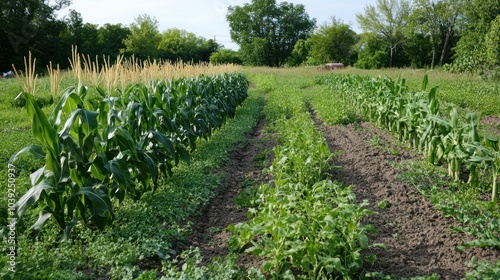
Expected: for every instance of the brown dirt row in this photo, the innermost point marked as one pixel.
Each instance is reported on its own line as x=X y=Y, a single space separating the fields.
x=418 y=238
x=209 y=231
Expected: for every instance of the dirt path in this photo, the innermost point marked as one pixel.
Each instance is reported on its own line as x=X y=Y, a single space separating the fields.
x=209 y=230
x=418 y=238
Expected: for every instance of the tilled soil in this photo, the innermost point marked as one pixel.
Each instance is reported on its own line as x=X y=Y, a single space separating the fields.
x=492 y=123
x=418 y=238
x=209 y=231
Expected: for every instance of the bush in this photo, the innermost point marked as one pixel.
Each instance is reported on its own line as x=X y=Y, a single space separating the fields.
x=225 y=57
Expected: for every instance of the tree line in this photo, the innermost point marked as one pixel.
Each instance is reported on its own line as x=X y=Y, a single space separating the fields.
x=462 y=35
x=32 y=26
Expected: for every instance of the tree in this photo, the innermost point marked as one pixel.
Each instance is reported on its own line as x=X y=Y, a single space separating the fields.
x=492 y=43
x=451 y=11
x=333 y=43
x=177 y=44
x=418 y=51
x=267 y=32
x=26 y=26
x=387 y=20
x=111 y=37
x=299 y=53
x=144 y=38
x=470 y=49
x=437 y=19
x=372 y=52
x=208 y=47
x=82 y=35
x=426 y=21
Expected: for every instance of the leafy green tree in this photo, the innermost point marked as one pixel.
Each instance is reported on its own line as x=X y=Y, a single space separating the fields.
x=450 y=10
x=425 y=21
x=372 y=52
x=299 y=54
x=144 y=38
x=225 y=56
x=267 y=32
x=438 y=20
x=110 y=38
x=418 y=51
x=333 y=43
x=82 y=35
x=470 y=51
x=388 y=20
x=492 y=42
x=207 y=49
x=177 y=44
x=29 y=25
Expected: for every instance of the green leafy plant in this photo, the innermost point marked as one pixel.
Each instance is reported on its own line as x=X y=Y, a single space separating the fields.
x=483 y=270
x=489 y=156
x=120 y=146
x=303 y=222
x=414 y=117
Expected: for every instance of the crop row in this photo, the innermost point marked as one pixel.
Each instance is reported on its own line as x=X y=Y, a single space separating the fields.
x=415 y=118
x=302 y=223
x=120 y=145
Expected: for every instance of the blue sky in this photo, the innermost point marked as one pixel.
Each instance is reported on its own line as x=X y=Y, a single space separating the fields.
x=205 y=18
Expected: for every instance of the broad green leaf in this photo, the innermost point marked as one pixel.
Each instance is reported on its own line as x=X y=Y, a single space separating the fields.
x=165 y=141
x=36 y=176
x=363 y=241
x=120 y=173
x=88 y=122
x=184 y=155
x=67 y=103
x=35 y=150
x=42 y=218
x=31 y=197
x=124 y=140
x=267 y=265
x=99 y=201
x=67 y=229
x=42 y=129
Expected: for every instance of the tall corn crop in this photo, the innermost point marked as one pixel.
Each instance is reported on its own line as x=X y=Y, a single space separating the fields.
x=121 y=145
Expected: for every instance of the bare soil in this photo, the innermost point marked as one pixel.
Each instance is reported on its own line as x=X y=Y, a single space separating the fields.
x=209 y=231
x=491 y=123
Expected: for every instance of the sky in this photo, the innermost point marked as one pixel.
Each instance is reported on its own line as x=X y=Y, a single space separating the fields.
x=205 y=18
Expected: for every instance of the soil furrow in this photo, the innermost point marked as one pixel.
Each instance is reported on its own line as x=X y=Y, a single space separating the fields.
x=418 y=238
x=209 y=231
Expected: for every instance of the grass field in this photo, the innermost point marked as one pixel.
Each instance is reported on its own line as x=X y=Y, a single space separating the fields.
x=146 y=235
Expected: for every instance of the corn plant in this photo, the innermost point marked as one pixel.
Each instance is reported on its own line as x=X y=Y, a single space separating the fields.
x=489 y=156
x=61 y=185
x=121 y=146
x=414 y=117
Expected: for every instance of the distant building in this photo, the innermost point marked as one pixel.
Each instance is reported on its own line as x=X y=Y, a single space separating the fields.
x=330 y=66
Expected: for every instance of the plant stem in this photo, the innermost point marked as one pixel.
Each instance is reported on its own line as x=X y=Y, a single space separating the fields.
x=494 y=191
